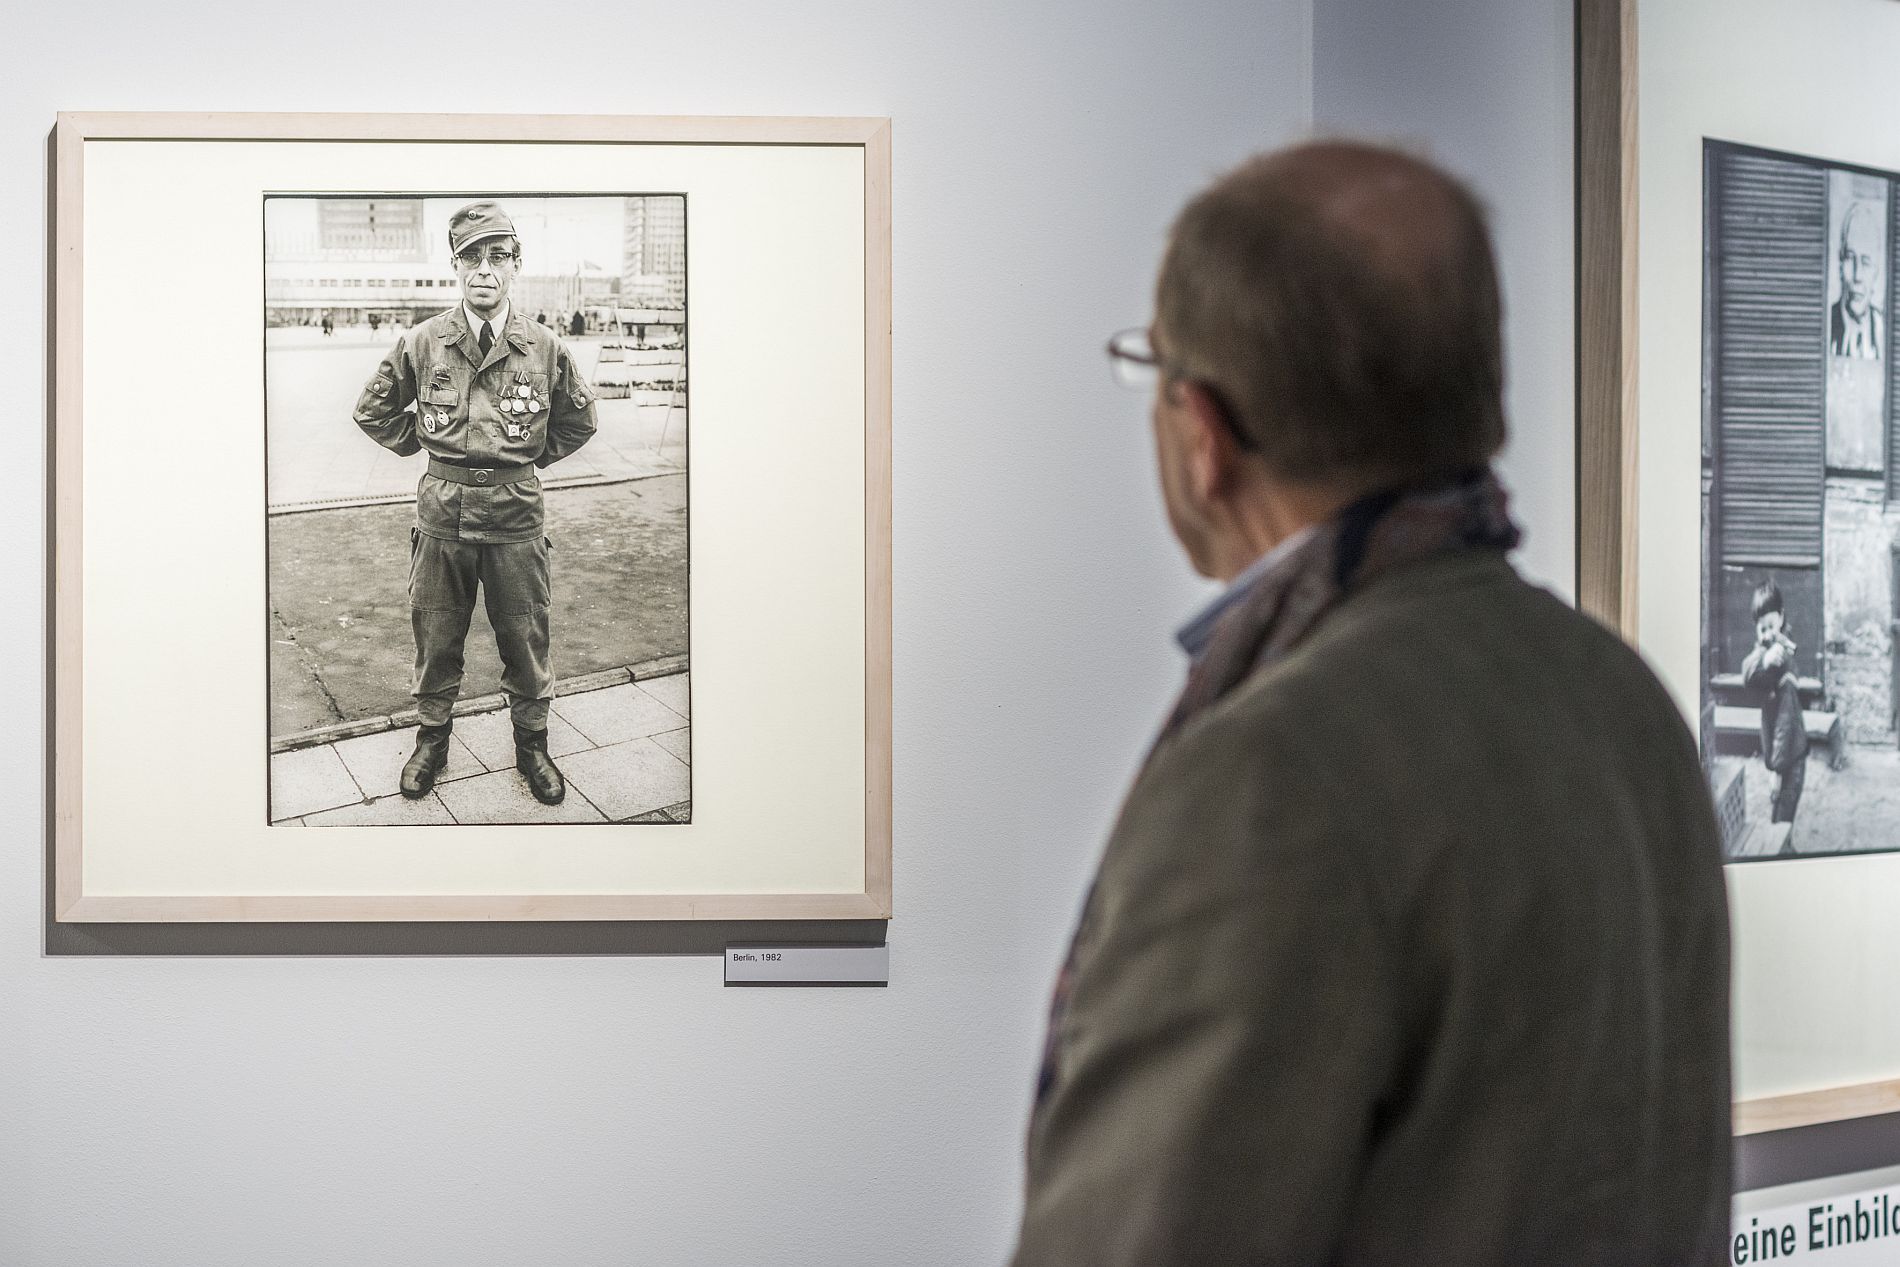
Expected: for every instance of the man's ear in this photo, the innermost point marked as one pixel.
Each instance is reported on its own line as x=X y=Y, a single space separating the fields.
x=1213 y=453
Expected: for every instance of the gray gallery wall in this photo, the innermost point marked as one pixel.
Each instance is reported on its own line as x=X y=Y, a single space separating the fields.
x=1485 y=86
x=227 y=1110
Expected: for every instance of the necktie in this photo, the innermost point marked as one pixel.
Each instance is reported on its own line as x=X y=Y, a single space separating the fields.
x=487 y=339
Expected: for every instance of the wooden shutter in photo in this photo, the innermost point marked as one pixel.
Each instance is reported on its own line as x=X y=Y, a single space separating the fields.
x=1770 y=367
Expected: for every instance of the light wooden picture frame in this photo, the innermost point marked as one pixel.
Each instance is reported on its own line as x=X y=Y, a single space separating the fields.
x=1666 y=92
x=160 y=741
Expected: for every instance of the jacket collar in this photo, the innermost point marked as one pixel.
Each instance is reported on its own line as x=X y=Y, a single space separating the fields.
x=452 y=328
x=1368 y=539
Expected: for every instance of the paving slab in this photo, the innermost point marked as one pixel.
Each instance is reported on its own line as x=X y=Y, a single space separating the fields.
x=503 y=797
x=308 y=780
x=377 y=760
x=386 y=811
x=678 y=742
x=681 y=813
x=631 y=778
x=617 y=714
x=674 y=691
x=491 y=737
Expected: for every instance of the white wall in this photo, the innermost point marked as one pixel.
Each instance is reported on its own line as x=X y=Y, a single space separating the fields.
x=431 y=1110
x=1485 y=87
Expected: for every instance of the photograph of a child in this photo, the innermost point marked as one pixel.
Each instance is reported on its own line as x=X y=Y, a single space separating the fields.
x=1800 y=505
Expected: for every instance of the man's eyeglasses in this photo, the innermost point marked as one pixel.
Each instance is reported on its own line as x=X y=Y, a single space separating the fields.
x=494 y=257
x=1131 y=354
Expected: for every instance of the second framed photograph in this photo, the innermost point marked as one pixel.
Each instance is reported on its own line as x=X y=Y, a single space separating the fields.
x=1739 y=485
x=1799 y=593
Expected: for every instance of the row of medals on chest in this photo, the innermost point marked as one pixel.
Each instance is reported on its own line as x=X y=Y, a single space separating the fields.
x=517 y=399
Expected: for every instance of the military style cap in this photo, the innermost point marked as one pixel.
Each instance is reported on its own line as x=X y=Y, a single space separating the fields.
x=476 y=222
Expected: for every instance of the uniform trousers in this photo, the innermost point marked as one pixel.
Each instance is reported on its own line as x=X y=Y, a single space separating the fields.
x=513 y=579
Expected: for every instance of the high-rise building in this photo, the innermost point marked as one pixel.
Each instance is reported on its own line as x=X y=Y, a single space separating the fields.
x=653 y=263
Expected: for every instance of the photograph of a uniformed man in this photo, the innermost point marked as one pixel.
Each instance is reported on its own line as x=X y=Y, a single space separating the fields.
x=476 y=509
x=1856 y=324
x=493 y=397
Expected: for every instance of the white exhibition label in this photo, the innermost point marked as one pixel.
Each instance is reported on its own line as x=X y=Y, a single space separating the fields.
x=1844 y=1221
x=808 y=965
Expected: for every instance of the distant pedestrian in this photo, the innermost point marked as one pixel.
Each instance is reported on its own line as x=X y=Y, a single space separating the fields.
x=577 y=324
x=329 y=325
x=541 y=318
x=493 y=398
x=374 y=321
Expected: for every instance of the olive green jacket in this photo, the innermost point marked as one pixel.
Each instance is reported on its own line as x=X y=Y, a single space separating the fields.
x=1412 y=948
x=525 y=402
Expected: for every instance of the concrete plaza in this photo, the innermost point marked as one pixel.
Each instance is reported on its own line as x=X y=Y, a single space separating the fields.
x=625 y=750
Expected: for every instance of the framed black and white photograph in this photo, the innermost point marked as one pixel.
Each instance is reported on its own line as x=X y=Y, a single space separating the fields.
x=1801 y=589
x=477 y=439
x=500 y=529
x=1738 y=485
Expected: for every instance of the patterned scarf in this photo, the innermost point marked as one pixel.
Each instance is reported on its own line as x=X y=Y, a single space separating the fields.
x=1368 y=538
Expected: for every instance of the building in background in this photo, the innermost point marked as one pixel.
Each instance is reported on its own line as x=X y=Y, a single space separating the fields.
x=389 y=228
x=366 y=259
x=653 y=263
x=559 y=294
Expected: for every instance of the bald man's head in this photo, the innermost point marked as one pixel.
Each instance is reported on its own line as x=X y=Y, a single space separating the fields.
x=1341 y=302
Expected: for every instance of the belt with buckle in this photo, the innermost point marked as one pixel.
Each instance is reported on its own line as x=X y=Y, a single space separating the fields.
x=481 y=475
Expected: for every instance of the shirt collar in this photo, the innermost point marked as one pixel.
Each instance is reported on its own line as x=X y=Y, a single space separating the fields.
x=1195 y=635
x=499 y=321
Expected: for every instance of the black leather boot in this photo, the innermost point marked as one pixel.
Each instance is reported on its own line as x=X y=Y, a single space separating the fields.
x=431 y=754
x=531 y=758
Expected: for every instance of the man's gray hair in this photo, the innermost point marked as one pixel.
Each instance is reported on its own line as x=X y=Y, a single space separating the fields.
x=1340 y=302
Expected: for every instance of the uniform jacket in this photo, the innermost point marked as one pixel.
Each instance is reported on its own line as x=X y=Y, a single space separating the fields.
x=1784 y=730
x=525 y=402
x=1411 y=947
